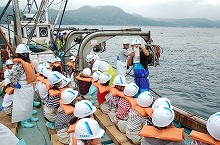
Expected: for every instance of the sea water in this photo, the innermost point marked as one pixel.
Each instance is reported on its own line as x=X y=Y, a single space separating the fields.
x=189 y=65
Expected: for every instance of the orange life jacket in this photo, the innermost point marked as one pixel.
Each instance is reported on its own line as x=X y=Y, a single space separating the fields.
x=39 y=78
x=142 y=111
x=84 y=79
x=3 y=84
x=169 y=134
x=202 y=137
x=45 y=81
x=70 y=64
x=68 y=109
x=95 y=83
x=54 y=93
x=103 y=89
x=72 y=127
x=9 y=90
x=115 y=92
x=28 y=69
x=149 y=111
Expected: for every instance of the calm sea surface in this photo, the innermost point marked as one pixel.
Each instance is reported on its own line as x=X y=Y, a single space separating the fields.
x=189 y=65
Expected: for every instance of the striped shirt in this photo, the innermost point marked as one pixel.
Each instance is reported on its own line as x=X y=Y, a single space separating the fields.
x=52 y=101
x=62 y=119
x=112 y=101
x=124 y=107
x=135 y=121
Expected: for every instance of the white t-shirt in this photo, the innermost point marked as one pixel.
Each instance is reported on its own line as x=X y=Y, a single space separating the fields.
x=123 y=55
x=41 y=87
x=7 y=101
x=100 y=65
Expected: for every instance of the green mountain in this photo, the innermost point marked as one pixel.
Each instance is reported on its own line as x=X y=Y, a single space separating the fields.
x=111 y=15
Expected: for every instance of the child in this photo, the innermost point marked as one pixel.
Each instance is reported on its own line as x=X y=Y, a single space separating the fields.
x=124 y=106
x=52 y=100
x=70 y=66
x=40 y=87
x=65 y=83
x=162 y=101
x=163 y=131
x=213 y=129
x=83 y=109
x=137 y=117
x=93 y=88
x=84 y=82
x=9 y=65
x=119 y=85
x=8 y=93
x=88 y=132
x=68 y=97
x=50 y=61
x=57 y=66
x=103 y=91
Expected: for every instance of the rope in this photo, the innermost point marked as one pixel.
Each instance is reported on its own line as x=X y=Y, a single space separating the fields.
x=62 y=17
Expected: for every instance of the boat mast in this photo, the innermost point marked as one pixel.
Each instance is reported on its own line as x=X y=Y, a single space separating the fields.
x=37 y=19
x=58 y=14
x=17 y=23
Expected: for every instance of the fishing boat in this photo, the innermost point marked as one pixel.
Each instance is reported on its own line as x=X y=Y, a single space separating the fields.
x=89 y=40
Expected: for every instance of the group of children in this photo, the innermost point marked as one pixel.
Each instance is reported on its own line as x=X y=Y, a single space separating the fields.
x=67 y=111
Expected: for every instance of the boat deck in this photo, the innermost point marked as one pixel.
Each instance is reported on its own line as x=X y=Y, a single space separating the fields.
x=39 y=134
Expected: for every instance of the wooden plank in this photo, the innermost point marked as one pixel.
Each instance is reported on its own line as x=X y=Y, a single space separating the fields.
x=98 y=111
x=6 y=120
x=14 y=131
x=54 y=140
x=116 y=136
x=103 y=120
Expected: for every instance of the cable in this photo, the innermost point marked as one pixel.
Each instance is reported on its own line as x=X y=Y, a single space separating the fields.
x=27 y=38
x=45 y=141
x=62 y=17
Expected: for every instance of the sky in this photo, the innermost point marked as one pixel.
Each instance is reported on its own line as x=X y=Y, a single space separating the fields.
x=177 y=9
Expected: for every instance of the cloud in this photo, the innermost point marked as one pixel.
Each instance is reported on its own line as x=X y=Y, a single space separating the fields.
x=150 y=8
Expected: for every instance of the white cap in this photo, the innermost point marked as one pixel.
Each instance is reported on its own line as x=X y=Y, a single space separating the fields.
x=65 y=81
x=96 y=75
x=47 y=72
x=213 y=126
x=88 y=128
x=84 y=108
x=131 y=89
x=8 y=62
x=119 y=80
x=87 y=71
x=22 y=48
x=73 y=58
x=57 y=59
x=68 y=95
x=90 y=57
x=162 y=116
x=104 y=78
x=145 y=99
x=162 y=101
x=136 y=41
x=42 y=70
x=54 y=78
x=50 y=60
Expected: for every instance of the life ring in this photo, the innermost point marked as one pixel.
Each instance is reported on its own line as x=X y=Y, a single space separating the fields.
x=158 y=51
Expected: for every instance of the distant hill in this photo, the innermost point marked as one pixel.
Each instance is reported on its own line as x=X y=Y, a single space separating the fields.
x=111 y=15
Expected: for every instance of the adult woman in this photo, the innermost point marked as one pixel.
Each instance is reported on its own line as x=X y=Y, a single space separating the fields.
x=22 y=75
